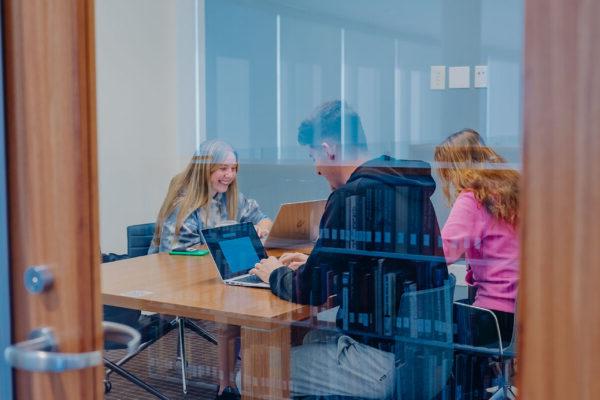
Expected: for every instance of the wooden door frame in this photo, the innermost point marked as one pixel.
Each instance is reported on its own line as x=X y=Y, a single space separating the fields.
x=560 y=323
x=49 y=60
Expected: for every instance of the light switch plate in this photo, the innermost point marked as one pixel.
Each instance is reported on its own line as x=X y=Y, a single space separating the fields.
x=438 y=77
x=459 y=77
x=481 y=76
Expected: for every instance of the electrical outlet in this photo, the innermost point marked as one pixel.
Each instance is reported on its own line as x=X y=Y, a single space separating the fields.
x=480 y=76
x=438 y=77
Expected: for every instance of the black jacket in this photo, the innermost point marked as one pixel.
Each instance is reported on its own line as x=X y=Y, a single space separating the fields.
x=384 y=216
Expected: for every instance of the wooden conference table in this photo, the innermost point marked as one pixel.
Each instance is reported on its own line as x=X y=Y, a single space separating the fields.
x=189 y=286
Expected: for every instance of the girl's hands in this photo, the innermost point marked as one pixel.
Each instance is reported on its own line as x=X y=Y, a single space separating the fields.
x=262 y=232
x=263 y=228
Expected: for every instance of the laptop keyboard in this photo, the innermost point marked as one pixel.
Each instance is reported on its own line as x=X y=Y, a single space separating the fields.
x=249 y=279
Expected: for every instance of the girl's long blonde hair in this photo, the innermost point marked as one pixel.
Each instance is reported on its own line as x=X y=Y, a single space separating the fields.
x=190 y=189
x=467 y=164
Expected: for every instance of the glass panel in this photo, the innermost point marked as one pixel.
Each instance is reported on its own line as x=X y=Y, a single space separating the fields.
x=317 y=130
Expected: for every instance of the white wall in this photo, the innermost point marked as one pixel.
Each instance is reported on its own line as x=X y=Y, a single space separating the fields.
x=146 y=117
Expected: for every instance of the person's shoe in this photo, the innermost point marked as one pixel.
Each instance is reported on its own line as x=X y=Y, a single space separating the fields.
x=229 y=393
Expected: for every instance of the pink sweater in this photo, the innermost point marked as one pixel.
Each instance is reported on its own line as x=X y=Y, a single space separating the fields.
x=491 y=249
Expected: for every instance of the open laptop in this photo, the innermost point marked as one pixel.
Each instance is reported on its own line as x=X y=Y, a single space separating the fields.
x=296 y=225
x=235 y=249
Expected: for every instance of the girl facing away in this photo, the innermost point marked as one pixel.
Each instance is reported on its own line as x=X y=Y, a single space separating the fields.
x=482 y=225
x=205 y=195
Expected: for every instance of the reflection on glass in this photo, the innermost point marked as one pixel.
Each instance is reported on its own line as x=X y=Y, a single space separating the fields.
x=386 y=291
x=377 y=243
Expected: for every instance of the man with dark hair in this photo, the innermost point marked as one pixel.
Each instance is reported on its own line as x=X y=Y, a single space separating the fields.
x=327 y=123
x=375 y=222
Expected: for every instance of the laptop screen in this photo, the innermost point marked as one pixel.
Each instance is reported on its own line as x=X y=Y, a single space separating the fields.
x=235 y=248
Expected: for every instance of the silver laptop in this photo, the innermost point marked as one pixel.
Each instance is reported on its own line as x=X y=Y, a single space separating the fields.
x=296 y=225
x=235 y=249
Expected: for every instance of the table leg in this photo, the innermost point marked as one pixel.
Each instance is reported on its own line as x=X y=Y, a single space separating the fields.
x=266 y=363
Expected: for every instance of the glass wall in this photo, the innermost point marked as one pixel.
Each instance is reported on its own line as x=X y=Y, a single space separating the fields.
x=385 y=285
x=270 y=64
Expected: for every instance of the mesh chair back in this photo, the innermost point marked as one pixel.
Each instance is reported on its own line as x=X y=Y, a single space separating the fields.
x=139 y=238
x=424 y=342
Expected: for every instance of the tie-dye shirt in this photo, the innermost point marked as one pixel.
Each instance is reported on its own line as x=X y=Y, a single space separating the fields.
x=214 y=214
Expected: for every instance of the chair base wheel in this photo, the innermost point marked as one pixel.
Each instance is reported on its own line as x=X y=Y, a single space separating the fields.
x=107 y=386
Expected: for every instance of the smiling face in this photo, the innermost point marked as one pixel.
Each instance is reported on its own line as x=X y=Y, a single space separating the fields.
x=224 y=174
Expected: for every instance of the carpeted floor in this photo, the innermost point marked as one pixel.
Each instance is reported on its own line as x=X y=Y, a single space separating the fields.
x=158 y=366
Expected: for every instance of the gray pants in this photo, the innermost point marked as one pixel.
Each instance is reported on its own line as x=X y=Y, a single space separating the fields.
x=330 y=363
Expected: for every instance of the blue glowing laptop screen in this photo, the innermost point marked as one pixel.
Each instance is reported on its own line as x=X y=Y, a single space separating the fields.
x=239 y=253
x=235 y=248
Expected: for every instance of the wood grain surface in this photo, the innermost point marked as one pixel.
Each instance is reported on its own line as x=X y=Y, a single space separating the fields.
x=52 y=181
x=559 y=298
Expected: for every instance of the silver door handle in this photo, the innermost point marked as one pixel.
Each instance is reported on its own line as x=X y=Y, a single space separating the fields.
x=39 y=353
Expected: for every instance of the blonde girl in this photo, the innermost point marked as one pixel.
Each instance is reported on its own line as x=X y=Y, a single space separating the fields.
x=206 y=195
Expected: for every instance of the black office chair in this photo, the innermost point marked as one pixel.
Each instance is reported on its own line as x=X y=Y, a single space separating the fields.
x=151 y=329
x=139 y=238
